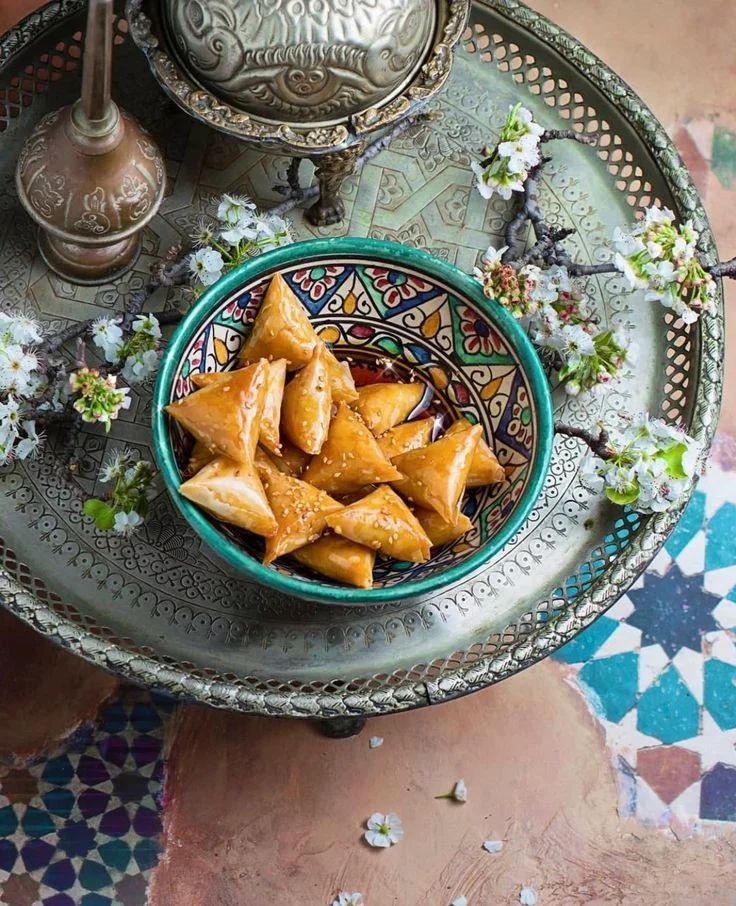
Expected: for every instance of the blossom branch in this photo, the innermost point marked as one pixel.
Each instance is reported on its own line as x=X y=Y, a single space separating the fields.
x=598 y=443
x=294 y=193
x=584 y=138
x=723 y=269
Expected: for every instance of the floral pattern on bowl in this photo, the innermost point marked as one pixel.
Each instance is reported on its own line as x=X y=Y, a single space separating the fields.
x=393 y=313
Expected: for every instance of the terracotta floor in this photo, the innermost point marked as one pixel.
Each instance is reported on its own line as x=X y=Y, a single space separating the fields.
x=256 y=811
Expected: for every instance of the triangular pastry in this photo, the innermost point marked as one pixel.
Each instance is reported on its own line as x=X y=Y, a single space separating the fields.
x=339 y=559
x=484 y=467
x=268 y=433
x=438 y=530
x=281 y=330
x=199 y=457
x=307 y=405
x=225 y=416
x=232 y=491
x=341 y=378
x=350 y=457
x=435 y=475
x=384 y=405
x=299 y=509
x=291 y=460
x=384 y=522
x=409 y=436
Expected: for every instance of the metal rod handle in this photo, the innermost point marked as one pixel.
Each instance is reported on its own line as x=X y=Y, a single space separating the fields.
x=97 y=61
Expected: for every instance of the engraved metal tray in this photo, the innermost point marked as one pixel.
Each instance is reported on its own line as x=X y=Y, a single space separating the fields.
x=160 y=608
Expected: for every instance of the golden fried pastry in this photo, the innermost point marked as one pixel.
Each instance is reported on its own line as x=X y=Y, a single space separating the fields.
x=205 y=378
x=409 y=436
x=291 y=460
x=268 y=433
x=307 y=404
x=232 y=491
x=340 y=559
x=199 y=457
x=484 y=468
x=299 y=508
x=281 y=330
x=438 y=530
x=435 y=475
x=341 y=380
x=350 y=457
x=225 y=416
x=384 y=405
x=384 y=522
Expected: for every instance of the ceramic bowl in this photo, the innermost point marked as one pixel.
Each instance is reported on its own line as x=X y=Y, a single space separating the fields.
x=393 y=311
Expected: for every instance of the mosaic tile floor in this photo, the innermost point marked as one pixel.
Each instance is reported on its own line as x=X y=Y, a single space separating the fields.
x=83 y=827
x=659 y=669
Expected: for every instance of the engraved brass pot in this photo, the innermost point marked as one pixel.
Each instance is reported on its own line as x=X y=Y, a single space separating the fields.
x=305 y=78
x=89 y=175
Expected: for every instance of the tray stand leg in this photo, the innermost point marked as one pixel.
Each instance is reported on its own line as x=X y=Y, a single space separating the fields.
x=332 y=169
x=341 y=727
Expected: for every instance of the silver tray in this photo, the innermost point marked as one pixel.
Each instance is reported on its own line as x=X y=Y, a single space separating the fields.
x=161 y=609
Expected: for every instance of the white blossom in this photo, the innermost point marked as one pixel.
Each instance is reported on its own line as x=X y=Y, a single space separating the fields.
x=147 y=324
x=460 y=791
x=649 y=468
x=27 y=447
x=114 y=466
x=140 y=366
x=206 y=264
x=348 y=899
x=493 y=846
x=107 y=334
x=20 y=328
x=383 y=830
x=521 y=154
x=375 y=741
x=127 y=523
x=460 y=901
x=527 y=896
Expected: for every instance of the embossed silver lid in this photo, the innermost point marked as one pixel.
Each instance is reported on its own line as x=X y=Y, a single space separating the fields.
x=302 y=61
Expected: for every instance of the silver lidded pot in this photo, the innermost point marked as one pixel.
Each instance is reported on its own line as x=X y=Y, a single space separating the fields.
x=304 y=78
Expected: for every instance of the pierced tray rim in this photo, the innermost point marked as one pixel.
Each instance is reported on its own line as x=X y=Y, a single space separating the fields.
x=155 y=672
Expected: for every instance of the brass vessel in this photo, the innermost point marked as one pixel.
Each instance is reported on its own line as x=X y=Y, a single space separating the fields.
x=304 y=78
x=89 y=175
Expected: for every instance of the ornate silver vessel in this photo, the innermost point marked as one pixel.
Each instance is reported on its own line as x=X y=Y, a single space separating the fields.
x=306 y=78
x=302 y=61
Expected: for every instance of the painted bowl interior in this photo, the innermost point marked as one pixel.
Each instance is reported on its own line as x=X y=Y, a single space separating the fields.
x=392 y=313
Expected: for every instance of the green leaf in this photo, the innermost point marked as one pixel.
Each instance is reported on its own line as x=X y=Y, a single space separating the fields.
x=621 y=498
x=101 y=512
x=93 y=506
x=673 y=460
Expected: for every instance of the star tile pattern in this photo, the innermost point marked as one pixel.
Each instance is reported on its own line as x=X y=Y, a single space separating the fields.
x=83 y=827
x=659 y=670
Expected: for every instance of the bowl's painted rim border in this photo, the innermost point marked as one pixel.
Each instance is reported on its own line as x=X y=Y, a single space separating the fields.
x=383 y=253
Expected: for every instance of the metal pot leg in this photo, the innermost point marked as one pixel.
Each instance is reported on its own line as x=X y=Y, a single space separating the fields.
x=332 y=169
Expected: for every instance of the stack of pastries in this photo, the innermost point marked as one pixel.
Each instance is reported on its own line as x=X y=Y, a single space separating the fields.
x=288 y=448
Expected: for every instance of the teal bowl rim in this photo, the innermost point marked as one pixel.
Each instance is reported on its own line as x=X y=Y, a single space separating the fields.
x=383 y=251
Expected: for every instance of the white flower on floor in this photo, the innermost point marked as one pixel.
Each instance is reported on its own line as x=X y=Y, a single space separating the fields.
x=528 y=896
x=139 y=367
x=375 y=741
x=460 y=791
x=383 y=830
x=206 y=265
x=460 y=901
x=493 y=846
x=348 y=899
x=127 y=523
